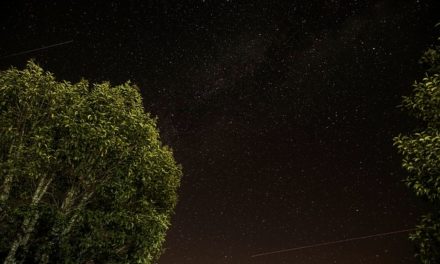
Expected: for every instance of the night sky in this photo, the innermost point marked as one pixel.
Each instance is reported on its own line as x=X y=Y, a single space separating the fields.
x=282 y=113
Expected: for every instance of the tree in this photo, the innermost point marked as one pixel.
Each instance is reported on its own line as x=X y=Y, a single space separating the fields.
x=421 y=156
x=84 y=177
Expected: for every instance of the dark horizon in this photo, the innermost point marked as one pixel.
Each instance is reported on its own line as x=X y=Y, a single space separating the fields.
x=282 y=113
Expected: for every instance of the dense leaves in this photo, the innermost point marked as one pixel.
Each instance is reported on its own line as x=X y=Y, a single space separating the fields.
x=84 y=176
x=421 y=156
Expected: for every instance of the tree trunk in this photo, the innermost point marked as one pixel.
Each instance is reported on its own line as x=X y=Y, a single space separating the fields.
x=77 y=210
x=7 y=183
x=60 y=233
x=29 y=221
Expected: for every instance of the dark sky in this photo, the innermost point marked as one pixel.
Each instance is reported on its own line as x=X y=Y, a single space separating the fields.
x=282 y=113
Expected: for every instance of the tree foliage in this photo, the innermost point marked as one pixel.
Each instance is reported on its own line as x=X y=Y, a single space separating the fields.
x=421 y=156
x=84 y=177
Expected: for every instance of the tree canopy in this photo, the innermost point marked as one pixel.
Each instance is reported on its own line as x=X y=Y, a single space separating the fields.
x=84 y=177
x=421 y=156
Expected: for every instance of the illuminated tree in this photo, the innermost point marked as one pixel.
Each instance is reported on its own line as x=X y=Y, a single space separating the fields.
x=84 y=176
x=421 y=156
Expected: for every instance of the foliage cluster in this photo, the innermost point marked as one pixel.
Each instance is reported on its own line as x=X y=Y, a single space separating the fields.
x=84 y=177
x=421 y=156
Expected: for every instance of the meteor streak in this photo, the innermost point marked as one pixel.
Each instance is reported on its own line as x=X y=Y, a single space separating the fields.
x=37 y=49
x=332 y=242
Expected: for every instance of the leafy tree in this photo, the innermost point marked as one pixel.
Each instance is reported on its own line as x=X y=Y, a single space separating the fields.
x=84 y=177
x=421 y=156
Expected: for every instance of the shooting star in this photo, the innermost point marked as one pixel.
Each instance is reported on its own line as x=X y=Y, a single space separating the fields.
x=37 y=49
x=332 y=242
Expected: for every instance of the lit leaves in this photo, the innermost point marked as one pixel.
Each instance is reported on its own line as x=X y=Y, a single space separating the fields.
x=112 y=183
x=421 y=156
x=425 y=102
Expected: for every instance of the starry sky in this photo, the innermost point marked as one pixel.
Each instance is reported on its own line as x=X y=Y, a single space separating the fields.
x=282 y=113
